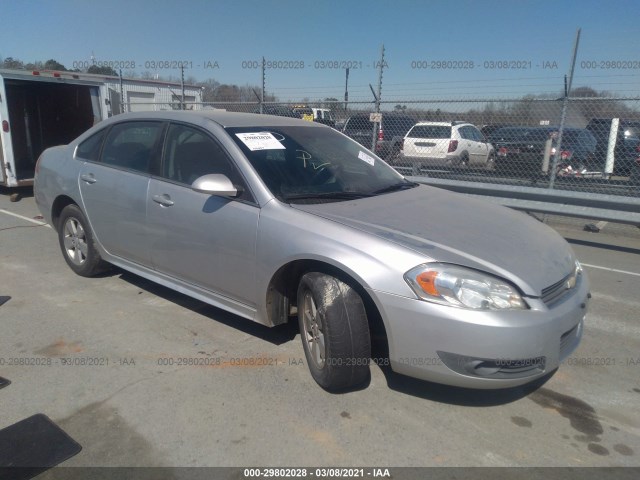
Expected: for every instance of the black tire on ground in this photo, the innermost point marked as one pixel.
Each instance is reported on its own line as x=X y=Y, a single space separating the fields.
x=491 y=162
x=462 y=162
x=334 y=331
x=77 y=244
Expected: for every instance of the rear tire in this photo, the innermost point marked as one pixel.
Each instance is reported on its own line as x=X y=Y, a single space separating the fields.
x=77 y=243
x=334 y=331
x=461 y=162
x=491 y=162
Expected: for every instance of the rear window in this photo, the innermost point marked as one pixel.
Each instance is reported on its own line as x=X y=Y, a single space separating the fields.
x=538 y=135
x=430 y=131
x=90 y=148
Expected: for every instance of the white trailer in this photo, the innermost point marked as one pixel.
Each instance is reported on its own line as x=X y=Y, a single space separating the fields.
x=41 y=109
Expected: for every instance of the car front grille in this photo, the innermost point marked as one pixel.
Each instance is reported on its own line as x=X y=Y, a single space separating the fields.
x=554 y=293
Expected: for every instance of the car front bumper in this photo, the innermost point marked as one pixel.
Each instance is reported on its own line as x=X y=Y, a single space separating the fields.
x=482 y=349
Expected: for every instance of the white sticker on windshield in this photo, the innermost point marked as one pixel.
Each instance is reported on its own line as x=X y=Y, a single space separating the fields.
x=367 y=158
x=260 y=141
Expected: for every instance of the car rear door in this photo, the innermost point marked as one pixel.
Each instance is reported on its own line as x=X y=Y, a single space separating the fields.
x=203 y=240
x=114 y=188
x=479 y=151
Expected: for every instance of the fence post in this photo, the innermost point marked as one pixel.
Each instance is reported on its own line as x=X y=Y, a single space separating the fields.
x=122 y=99
x=346 y=91
x=563 y=118
x=182 y=87
x=377 y=99
x=611 y=147
x=264 y=81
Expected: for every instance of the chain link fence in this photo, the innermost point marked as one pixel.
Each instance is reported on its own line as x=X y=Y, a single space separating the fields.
x=578 y=144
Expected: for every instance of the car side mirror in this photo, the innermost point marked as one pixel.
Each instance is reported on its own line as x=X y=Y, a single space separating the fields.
x=215 y=184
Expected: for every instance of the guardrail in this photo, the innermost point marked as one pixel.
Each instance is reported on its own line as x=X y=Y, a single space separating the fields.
x=612 y=208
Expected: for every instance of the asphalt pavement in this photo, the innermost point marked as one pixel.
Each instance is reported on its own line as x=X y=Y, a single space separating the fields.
x=142 y=376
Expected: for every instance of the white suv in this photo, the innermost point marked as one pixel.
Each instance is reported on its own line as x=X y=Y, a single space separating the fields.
x=446 y=144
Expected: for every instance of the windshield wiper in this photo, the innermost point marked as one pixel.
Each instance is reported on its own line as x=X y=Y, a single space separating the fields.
x=395 y=187
x=329 y=195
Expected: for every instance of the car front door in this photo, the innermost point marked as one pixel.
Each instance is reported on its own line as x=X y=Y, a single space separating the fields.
x=206 y=241
x=113 y=186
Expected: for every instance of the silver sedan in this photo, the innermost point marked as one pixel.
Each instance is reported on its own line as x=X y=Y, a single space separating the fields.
x=273 y=218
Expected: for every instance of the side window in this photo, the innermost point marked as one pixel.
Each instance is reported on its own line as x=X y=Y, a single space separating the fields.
x=190 y=153
x=90 y=148
x=132 y=145
x=477 y=134
x=464 y=133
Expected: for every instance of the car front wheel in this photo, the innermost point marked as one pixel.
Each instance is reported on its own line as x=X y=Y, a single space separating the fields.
x=335 y=332
x=77 y=244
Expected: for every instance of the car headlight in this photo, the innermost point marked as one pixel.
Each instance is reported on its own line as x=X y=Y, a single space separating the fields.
x=573 y=279
x=462 y=287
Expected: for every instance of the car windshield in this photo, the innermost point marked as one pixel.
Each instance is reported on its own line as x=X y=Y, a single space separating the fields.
x=302 y=164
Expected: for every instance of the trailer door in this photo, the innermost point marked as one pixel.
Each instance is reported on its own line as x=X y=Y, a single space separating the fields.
x=115 y=100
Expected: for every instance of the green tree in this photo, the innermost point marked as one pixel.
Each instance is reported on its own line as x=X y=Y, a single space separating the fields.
x=102 y=70
x=52 y=64
x=12 y=63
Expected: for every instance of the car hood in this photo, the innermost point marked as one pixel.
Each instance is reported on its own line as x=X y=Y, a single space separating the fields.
x=454 y=228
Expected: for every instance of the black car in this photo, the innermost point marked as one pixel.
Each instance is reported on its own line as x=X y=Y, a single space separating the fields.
x=524 y=152
x=279 y=110
x=507 y=134
x=627 y=145
x=389 y=135
x=489 y=130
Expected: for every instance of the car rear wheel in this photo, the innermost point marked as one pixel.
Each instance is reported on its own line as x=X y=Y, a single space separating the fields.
x=491 y=162
x=463 y=161
x=77 y=244
x=335 y=332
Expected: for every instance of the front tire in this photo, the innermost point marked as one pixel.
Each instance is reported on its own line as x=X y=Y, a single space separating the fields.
x=335 y=332
x=77 y=244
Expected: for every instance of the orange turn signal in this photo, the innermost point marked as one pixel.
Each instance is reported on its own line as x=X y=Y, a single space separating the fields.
x=427 y=281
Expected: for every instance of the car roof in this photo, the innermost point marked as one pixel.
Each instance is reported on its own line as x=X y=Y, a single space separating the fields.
x=223 y=118
x=608 y=121
x=442 y=124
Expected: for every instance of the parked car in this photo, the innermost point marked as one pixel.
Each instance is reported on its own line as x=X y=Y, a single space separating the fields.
x=507 y=134
x=627 y=146
x=324 y=116
x=389 y=133
x=488 y=130
x=271 y=218
x=524 y=154
x=446 y=144
x=279 y=110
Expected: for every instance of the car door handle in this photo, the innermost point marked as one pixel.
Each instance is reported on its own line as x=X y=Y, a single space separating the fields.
x=89 y=178
x=164 y=200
